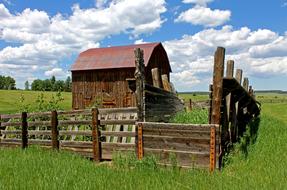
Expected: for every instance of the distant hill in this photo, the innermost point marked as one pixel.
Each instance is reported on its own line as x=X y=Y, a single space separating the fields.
x=271 y=91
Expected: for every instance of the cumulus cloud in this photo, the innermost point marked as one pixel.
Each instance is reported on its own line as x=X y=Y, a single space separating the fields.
x=200 y=15
x=260 y=53
x=57 y=72
x=45 y=40
x=198 y=2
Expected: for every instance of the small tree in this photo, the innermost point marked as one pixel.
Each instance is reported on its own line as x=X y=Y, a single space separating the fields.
x=27 y=86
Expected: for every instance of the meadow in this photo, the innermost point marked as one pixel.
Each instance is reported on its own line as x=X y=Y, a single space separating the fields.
x=10 y=100
x=261 y=166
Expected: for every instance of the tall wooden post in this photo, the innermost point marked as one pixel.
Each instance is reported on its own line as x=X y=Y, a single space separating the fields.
x=210 y=103
x=24 y=130
x=238 y=75
x=246 y=84
x=229 y=107
x=165 y=82
x=230 y=69
x=140 y=83
x=216 y=100
x=54 y=130
x=156 y=77
x=97 y=148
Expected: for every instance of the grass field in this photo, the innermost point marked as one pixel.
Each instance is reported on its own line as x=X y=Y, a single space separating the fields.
x=263 y=168
x=10 y=99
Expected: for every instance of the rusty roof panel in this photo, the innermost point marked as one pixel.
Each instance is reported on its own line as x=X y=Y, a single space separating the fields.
x=112 y=57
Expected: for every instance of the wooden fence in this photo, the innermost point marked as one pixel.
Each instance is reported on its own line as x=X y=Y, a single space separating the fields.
x=188 y=144
x=99 y=133
x=81 y=131
x=232 y=105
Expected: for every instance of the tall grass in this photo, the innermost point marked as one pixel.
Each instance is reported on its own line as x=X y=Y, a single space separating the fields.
x=196 y=116
x=263 y=168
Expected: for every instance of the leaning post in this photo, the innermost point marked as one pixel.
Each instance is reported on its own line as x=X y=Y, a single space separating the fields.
x=140 y=79
x=54 y=130
x=216 y=101
x=24 y=130
x=97 y=148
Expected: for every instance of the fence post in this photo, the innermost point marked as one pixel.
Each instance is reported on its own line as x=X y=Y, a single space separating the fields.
x=54 y=130
x=97 y=146
x=217 y=98
x=190 y=104
x=228 y=98
x=140 y=79
x=210 y=103
x=238 y=76
x=140 y=141
x=246 y=84
x=24 y=130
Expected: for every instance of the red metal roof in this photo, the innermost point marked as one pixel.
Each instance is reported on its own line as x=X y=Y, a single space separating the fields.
x=112 y=57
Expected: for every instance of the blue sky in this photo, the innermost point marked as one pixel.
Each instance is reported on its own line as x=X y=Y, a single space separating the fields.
x=39 y=39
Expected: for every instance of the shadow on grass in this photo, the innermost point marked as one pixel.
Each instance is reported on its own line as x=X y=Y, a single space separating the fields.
x=250 y=136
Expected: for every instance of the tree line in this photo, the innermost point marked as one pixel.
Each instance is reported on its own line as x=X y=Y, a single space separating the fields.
x=50 y=85
x=7 y=83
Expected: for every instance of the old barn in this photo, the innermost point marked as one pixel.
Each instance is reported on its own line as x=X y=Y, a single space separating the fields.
x=99 y=75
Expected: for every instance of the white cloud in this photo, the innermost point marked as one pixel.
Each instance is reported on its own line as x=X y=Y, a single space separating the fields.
x=261 y=53
x=57 y=72
x=198 y=2
x=140 y=41
x=200 y=15
x=45 y=40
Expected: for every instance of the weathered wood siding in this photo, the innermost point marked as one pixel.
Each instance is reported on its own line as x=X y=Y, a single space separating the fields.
x=106 y=88
x=109 y=88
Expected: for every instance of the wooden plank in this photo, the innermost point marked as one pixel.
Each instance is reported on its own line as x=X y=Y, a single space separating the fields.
x=39 y=123
x=183 y=158
x=210 y=103
x=6 y=124
x=75 y=112
x=140 y=78
x=54 y=130
x=156 y=79
x=246 y=83
x=76 y=133
x=24 y=130
x=118 y=133
x=230 y=69
x=165 y=82
x=217 y=89
x=238 y=76
x=117 y=110
x=177 y=126
x=140 y=151
x=76 y=122
x=38 y=114
x=118 y=122
x=118 y=126
x=212 y=151
x=76 y=144
x=97 y=148
x=11 y=116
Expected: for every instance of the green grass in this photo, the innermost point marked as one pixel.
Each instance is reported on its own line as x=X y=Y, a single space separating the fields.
x=263 y=168
x=10 y=99
x=193 y=96
x=196 y=116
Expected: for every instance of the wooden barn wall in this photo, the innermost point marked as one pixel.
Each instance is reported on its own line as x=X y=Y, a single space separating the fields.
x=159 y=60
x=106 y=88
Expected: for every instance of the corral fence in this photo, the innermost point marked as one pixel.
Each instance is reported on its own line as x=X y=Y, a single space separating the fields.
x=100 y=133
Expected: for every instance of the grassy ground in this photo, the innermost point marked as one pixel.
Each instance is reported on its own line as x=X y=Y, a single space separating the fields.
x=10 y=99
x=263 y=168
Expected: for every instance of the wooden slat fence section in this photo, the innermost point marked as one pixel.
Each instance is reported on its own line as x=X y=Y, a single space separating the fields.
x=67 y=124
x=188 y=143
